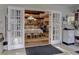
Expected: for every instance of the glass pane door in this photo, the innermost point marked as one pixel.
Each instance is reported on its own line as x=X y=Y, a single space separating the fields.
x=57 y=29
x=15 y=28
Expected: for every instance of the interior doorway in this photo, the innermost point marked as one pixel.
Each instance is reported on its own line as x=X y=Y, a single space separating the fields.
x=36 y=28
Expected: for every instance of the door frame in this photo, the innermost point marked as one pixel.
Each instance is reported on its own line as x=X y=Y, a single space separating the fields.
x=50 y=18
x=51 y=41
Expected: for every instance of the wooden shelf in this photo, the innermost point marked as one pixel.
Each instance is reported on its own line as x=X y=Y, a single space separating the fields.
x=46 y=19
x=40 y=16
x=33 y=12
x=44 y=15
x=35 y=16
x=36 y=40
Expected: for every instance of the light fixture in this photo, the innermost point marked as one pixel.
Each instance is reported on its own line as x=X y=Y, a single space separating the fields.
x=30 y=18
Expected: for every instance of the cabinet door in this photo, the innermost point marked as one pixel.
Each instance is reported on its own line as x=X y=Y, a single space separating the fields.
x=56 y=27
x=15 y=28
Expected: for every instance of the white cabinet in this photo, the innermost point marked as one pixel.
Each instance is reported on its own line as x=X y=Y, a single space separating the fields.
x=15 y=32
x=68 y=36
x=76 y=32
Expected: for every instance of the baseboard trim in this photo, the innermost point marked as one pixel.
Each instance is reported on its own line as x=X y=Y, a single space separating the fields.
x=68 y=43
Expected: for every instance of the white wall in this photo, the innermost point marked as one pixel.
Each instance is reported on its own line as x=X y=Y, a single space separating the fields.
x=63 y=8
x=2 y=19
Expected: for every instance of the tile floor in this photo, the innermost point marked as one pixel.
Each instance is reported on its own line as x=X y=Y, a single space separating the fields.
x=68 y=50
x=15 y=52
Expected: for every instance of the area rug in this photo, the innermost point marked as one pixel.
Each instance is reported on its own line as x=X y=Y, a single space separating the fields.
x=43 y=50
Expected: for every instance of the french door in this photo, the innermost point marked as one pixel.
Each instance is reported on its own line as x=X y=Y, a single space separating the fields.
x=56 y=27
x=15 y=33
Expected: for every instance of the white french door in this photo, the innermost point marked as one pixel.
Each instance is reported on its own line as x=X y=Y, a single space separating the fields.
x=56 y=27
x=15 y=31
